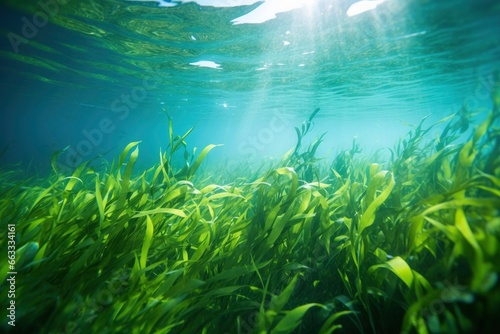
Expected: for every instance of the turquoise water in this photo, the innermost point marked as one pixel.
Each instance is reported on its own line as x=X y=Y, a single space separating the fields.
x=93 y=76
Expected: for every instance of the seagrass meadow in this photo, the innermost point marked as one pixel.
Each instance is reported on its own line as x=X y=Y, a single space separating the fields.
x=249 y=166
x=308 y=245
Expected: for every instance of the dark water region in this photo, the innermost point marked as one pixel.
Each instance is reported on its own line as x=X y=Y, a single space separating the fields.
x=233 y=166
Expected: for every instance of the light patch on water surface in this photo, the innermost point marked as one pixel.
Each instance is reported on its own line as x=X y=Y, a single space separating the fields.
x=206 y=63
x=363 y=6
x=265 y=12
x=268 y=10
x=264 y=67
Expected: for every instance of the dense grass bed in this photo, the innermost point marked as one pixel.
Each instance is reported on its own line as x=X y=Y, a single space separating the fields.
x=352 y=245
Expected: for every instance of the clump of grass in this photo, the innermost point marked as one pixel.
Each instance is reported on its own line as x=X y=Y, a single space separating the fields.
x=412 y=245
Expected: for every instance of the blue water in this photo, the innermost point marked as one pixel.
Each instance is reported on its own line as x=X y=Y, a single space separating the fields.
x=93 y=76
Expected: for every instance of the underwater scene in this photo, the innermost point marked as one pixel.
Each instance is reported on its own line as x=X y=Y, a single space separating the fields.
x=250 y=167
